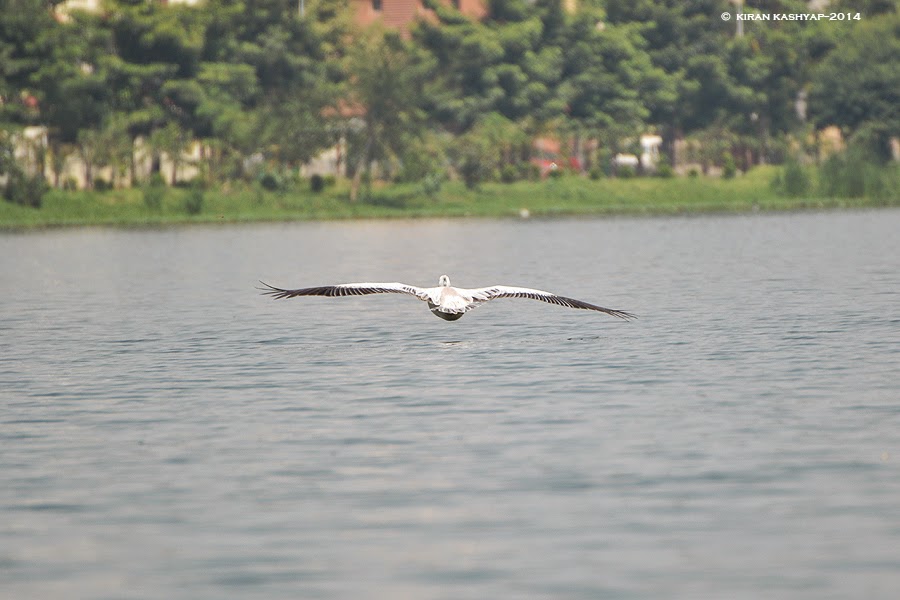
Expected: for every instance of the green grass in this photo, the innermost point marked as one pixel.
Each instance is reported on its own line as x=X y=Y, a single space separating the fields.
x=569 y=195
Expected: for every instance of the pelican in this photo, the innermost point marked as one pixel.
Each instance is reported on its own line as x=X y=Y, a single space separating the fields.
x=445 y=301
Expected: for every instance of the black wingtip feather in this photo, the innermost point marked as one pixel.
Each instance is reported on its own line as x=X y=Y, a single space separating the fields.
x=271 y=290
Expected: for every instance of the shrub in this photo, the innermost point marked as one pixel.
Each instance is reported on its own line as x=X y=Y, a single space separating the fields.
x=431 y=185
x=625 y=172
x=508 y=173
x=154 y=192
x=664 y=167
x=795 y=181
x=317 y=183
x=474 y=158
x=24 y=189
x=693 y=173
x=195 y=182
x=777 y=182
x=472 y=171
x=157 y=180
x=102 y=185
x=270 y=182
x=855 y=174
x=596 y=173
x=729 y=168
x=193 y=202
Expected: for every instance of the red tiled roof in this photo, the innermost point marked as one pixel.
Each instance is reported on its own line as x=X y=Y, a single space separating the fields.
x=400 y=13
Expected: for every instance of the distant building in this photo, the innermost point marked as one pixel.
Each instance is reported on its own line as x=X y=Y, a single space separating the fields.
x=648 y=159
x=650 y=145
x=400 y=13
x=548 y=154
x=63 y=10
x=393 y=13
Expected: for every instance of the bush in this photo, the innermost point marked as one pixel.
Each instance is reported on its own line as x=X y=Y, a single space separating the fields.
x=270 y=182
x=857 y=174
x=154 y=192
x=317 y=183
x=664 y=168
x=24 y=189
x=596 y=173
x=157 y=180
x=777 y=182
x=102 y=185
x=196 y=182
x=625 y=172
x=472 y=171
x=431 y=185
x=509 y=173
x=729 y=168
x=872 y=140
x=693 y=173
x=474 y=158
x=193 y=202
x=795 y=181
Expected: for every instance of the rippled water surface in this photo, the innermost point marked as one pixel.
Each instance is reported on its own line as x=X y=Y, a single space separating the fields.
x=167 y=432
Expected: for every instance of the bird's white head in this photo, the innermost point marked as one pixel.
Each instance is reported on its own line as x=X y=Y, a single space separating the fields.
x=444 y=281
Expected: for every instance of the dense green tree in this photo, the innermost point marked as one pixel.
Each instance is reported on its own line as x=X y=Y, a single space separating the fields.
x=858 y=86
x=867 y=8
x=254 y=78
x=26 y=28
x=386 y=79
x=268 y=78
x=511 y=63
x=746 y=85
x=492 y=149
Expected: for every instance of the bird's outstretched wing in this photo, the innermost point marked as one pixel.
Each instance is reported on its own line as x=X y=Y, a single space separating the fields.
x=347 y=289
x=504 y=291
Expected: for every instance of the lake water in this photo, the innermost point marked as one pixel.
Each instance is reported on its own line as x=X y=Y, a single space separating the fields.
x=168 y=432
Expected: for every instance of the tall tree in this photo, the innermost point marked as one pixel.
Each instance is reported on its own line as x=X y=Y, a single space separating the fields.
x=268 y=76
x=857 y=86
x=27 y=30
x=386 y=77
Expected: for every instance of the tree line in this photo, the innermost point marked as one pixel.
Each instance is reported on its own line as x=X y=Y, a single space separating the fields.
x=255 y=78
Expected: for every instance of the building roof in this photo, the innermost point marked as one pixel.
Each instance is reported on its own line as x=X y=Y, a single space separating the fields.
x=400 y=13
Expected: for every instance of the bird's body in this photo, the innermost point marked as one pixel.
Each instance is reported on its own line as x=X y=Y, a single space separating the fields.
x=445 y=301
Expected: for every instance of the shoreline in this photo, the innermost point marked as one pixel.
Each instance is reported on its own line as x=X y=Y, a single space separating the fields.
x=802 y=207
x=567 y=197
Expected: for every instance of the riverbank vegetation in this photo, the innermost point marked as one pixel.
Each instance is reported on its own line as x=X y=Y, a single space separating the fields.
x=555 y=196
x=441 y=120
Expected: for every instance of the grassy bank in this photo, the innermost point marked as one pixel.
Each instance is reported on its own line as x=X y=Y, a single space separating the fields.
x=564 y=196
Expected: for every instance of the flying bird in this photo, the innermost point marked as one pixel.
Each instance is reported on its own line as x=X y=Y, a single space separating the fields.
x=445 y=301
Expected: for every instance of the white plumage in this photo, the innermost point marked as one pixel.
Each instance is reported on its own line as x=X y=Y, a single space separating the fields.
x=445 y=301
